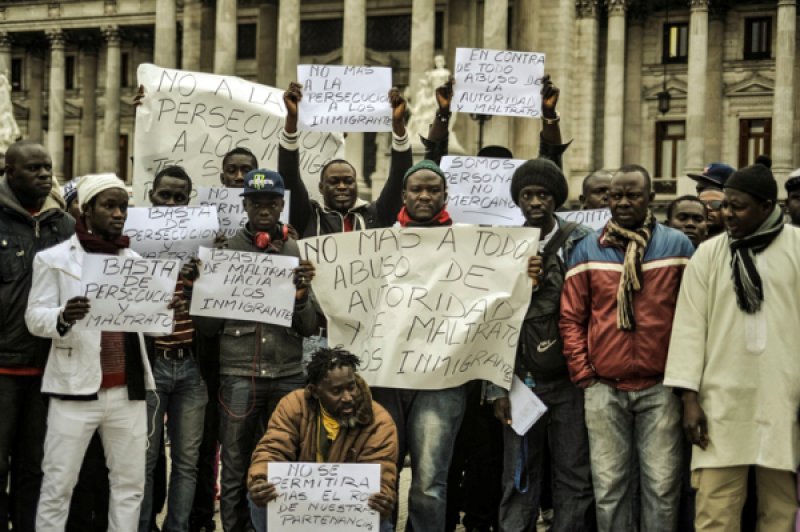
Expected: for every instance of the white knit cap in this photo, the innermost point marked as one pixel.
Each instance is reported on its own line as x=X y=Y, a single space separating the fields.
x=91 y=185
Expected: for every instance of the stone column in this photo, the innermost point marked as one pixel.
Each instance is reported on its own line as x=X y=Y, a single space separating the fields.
x=5 y=55
x=88 y=144
x=225 y=37
x=354 y=53
x=632 y=128
x=527 y=20
x=110 y=158
x=784 y=99
x=495 y=31
x=267 y=43
x=584 y=90
x=288 y=42
x=696 y=96
x=613 y=116
x=423 y=34
x=714 y=87
x=192 y=43
x=35 y=90
x=55 y=104
x=166 y=34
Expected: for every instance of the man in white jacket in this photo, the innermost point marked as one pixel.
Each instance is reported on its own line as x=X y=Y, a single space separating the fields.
x=95 y=380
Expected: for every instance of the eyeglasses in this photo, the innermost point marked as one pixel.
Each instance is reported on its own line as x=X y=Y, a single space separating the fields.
x=713 y=205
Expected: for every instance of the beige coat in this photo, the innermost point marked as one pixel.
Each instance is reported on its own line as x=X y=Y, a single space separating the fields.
x=746 y=368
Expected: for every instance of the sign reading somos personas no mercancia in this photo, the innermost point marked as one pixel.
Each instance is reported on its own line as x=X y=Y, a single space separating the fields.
x=426 y=308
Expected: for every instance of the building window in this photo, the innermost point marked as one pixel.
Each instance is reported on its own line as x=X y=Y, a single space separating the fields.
x=16 y=74
x=246 y=41
x=676 y=42
x=758 y=38
x=69 y=72
x=318 y=37
x=755 y=138
x=69 y=157
x=124 y=70
x=392 y=33
x=670 y=154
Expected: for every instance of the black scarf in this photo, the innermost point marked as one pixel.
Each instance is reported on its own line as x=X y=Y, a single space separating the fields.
x=93 y=243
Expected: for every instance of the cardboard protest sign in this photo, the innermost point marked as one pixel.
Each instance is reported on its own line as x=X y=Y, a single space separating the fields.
x=243 y=285
x=230 y=210
x=426 y=308
x=193 y=119
x=323 y=496
x=128 y=294
x=171 y=232
x=344 y=98
x=479 y=190
x=498 y=82
x=595 y=219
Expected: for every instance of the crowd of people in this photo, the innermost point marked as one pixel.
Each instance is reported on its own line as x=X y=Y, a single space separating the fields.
x=666 y=354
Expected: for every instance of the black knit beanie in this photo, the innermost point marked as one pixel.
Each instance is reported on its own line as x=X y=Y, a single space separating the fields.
x=756 y=180
x=544 y=173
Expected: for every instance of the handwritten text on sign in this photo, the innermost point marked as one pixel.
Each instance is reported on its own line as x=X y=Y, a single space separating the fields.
x=171 y=232
x=498 y=82
x=479 y=190
x=128 y=294
x=344 y=98
x=243 y=285
x=230 y=208
x=323 y=496
x=194 y=119
x=595 y=219
x=426 y=308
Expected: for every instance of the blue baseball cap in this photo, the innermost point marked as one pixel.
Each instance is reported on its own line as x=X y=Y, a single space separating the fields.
x=263 y=181
x=714 y=175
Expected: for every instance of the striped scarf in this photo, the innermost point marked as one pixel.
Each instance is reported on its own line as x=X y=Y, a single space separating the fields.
x=634 y=244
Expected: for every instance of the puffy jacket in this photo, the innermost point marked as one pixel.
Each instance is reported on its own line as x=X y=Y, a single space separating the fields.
x=250 y=348
x=22 y=236
x=73 y=366
x=593 y=345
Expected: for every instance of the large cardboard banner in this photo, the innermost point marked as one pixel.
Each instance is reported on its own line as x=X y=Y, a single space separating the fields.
x=128 y=294
x=171 y=232
x=498 y=82
x=344 y=98
x=193 y=119
x=426 y=308
x=230 y=210
x=479 y=190
x=243 y=285
x=323 y=496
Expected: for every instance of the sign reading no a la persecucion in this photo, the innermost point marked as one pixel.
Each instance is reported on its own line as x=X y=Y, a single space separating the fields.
x=128 y=294
x=498 y=82
x=171 y=232
x=344 y=98
x=243 y=285
x=426 y=308
x=323 y=496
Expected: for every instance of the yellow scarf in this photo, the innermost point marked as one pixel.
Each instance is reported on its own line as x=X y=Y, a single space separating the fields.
x=331 y=427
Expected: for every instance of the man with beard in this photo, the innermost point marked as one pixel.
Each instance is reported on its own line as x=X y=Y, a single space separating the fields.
x=332 y=419
x=687 y=214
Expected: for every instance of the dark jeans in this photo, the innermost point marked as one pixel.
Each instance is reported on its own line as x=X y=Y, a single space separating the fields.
x=23 y=423
x=205 y=492
x=246 y=405
x=564 y=426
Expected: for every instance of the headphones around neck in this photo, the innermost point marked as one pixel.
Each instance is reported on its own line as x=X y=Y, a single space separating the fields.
x=262 y=239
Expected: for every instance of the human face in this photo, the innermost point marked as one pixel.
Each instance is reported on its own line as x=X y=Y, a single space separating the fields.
x=689 y=217
x=595 y=195
x=793 y=206
x=170 y=192
x=107 y=214
x=629 y=199
x=744 y=213
x=235 y=168
x=263 y=210
x=30 y=175
x=339 y=187
x=713 y=199
x=424 y=195
x=537 y=205
x=339 y=394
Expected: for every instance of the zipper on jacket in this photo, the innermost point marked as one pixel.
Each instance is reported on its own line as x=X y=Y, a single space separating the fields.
x=36 y=227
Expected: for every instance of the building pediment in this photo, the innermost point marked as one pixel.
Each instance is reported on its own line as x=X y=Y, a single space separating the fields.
x=754 y=85
x=676 y=88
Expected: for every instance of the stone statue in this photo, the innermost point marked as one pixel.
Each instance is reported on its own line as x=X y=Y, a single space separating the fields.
x=9 y=131
x=423 y=106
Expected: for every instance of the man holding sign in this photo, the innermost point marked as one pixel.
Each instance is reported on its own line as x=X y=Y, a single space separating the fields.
x=333 y=419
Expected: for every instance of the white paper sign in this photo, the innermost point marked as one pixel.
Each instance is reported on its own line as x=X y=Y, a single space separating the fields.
x=128 y=294
x=243 y=285
x=171 y=232
x=230 y=210
x=426 y=308
x=323 y=496
x=595 y=219
x=193 y=119
x=344 y=98
x=526 y=407
x=479 y=190
x=498 y=82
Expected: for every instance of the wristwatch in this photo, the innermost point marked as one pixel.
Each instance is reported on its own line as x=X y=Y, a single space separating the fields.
x=62 y=326
x=551 y=121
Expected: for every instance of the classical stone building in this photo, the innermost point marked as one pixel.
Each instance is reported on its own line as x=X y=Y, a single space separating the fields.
x=670 y=84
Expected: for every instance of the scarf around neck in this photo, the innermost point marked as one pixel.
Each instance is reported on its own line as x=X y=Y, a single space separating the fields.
x=634 y=243
x=92 y=243
x=441 y=219
x=746 y=280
